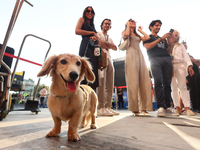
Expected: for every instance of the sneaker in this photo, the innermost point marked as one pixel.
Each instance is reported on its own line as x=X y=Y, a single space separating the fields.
x=179 y=112
x=104 y=112
x=190 y=113
x=183 y=112
x=112 y=111
x=170 y=112
x=161 y=112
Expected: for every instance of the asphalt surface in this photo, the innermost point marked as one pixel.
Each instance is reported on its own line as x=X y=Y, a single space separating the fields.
x=24 y=130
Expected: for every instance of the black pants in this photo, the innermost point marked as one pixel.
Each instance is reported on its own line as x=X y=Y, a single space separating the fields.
x=194 y=87
x=161 y=68
x=121 y=102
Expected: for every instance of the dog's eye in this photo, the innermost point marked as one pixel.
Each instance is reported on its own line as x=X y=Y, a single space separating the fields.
x=63 y=61
x=78 y=63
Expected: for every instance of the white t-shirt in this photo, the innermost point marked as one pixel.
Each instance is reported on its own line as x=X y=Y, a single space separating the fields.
x=103 y=38
x=43 y=92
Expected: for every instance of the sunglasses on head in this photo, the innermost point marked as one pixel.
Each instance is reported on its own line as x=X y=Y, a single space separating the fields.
x=132 y=20
x=88 y=11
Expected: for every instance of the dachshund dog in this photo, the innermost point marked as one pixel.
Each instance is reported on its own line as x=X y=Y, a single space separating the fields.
x=68 y=100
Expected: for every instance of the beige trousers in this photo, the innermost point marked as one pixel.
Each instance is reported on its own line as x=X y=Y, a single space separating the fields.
x=105 y=89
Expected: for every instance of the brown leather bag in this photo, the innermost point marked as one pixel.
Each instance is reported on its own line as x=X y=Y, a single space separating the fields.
x=102 y=60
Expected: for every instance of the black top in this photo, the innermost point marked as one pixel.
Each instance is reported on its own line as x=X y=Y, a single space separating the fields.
x=88 y=51
x=159 y=50
x=120 y=96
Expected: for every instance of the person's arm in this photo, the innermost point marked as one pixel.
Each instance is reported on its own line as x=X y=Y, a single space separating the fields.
x=149 y=46
x=79 y=31
x=145 y=37
x=126 y=33
x=105 y=44
x=196 y=61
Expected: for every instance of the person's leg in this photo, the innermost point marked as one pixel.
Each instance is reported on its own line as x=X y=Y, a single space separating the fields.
x=101 y=89
x=109 y=83
x=167 y=78
x=145 y=100
x=175 y=92
x=192 y=83
x=41 y=101
x=181 y=79
x=156 y=69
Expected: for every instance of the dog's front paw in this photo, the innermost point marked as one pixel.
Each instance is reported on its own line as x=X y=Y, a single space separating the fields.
x=93 y=126
x=73 y=137
x=52 y=133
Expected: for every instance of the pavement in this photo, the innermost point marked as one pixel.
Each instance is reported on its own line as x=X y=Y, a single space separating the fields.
x=24 y=130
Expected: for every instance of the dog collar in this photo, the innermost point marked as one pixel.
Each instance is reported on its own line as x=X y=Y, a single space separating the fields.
x=59 y=96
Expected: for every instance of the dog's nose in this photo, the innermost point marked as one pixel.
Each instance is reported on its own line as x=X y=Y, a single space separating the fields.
x=73 y=75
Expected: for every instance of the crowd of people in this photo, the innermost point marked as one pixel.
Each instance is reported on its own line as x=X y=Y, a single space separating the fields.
x=169 y=65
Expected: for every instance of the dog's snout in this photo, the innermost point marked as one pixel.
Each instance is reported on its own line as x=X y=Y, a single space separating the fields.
x=73 y=75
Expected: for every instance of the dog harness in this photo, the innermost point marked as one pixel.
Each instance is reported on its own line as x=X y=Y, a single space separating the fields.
x=84 y=92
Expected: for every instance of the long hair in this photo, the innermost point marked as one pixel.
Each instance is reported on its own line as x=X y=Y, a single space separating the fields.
x=84 y=16
x=177 y=41
x=134 y=31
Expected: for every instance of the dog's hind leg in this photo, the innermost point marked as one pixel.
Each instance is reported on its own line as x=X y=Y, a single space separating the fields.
x=57 y=127
x=93 y=122
x=83 y=124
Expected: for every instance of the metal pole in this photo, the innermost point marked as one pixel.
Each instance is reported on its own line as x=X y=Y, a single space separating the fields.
x=116 y=97
x=13 y=74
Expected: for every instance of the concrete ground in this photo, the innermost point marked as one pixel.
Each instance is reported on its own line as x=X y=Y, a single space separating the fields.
x=23 y=130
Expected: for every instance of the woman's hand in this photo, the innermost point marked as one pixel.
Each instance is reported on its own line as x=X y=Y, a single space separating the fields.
x=95 y=37
x=140 y=29
x=191 y=71
x=128 y=23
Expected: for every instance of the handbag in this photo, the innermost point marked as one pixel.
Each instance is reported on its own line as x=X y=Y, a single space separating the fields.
x=125 y=45
x=102 y=60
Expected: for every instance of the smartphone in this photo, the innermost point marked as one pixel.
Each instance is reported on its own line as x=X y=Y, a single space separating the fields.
x=171 y=30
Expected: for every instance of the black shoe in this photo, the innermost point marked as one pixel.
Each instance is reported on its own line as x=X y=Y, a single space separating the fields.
x=197 y=111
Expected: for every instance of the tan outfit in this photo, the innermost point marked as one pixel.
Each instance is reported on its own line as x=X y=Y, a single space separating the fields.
x=137 y=78
x=106 y=79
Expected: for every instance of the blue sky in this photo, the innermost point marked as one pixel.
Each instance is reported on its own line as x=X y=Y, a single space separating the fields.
x=56 y=22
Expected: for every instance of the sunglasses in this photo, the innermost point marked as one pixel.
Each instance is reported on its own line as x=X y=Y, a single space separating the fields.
x=132 y=20
x=88 y=11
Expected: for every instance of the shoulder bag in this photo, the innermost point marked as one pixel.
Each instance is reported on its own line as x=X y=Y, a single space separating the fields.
x=125 y=45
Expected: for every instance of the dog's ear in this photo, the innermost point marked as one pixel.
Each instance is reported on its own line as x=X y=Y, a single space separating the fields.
x=87 y=69
x=48 y=66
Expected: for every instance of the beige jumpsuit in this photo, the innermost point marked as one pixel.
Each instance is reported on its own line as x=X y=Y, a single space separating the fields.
x=137 y=78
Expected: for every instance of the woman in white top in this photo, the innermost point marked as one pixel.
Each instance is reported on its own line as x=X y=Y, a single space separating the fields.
x=181 y=65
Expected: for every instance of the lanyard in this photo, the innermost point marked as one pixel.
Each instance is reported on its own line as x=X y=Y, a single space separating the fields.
x=106 y=39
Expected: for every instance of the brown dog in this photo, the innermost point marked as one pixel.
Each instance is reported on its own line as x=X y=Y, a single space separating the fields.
x=67 y=100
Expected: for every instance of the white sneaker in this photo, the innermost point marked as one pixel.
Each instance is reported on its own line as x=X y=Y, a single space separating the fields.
x=104 y=112
x=171 y=112
x=112 y=111
x=161 y=112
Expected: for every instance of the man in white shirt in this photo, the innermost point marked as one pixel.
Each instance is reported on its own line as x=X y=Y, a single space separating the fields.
x=106 y=76
x=43 y=93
